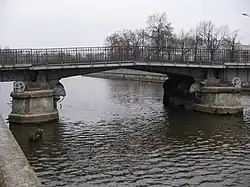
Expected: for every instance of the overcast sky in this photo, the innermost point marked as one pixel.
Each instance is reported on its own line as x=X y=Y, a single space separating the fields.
x=69 y=23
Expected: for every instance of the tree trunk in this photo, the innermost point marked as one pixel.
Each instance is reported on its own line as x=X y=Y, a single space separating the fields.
x=195 y=54
x=232 y=56
x=169 y=54
x=212 y=55
x=182 y=54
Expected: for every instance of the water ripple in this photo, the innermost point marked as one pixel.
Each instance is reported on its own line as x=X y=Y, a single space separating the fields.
x=129 y=139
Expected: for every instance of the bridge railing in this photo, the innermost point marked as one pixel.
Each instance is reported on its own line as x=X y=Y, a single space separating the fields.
x=120 y=53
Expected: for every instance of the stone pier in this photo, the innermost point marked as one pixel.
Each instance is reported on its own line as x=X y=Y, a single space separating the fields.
x=220 y=100
x=211 y=97
x=36 y=103
x=33 y=107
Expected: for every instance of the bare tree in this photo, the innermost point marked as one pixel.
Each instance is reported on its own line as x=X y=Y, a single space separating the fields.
x=126 y=43
x=113 y=40
x=185 y=42
x=232 y=42
x=212 y=36
x=137 y=39
x=126 y=38
x=195 y=42
x=132 y=38
x=160 y=31
x=114 y=44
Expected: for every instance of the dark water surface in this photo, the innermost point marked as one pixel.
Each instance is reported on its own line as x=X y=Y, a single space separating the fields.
x=117 y=133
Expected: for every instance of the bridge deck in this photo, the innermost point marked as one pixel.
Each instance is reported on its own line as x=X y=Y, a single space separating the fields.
x=120 y=56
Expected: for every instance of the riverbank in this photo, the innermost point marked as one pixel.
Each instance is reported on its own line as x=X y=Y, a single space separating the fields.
x=136 y=75
x=126 y=74
x=15 y=169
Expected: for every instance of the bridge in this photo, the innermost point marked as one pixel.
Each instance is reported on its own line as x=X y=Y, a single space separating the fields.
x=199 y=79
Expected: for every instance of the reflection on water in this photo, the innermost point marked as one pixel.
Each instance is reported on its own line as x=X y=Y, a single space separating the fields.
x=117 y=133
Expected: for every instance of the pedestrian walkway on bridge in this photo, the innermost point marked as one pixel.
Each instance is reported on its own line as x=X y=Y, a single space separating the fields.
x=120 y=53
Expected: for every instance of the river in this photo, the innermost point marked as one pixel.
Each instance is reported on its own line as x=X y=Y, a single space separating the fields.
x=117 y=133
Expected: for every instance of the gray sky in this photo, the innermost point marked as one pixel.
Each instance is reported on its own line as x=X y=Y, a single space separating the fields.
x=69 y=23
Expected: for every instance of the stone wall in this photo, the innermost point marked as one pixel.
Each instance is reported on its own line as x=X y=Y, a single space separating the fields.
x=14 y=167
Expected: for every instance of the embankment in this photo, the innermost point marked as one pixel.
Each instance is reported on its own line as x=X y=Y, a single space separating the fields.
x=126 y=74
x=15 y=170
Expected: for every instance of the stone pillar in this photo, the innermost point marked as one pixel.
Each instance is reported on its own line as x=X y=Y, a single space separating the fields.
x=211 y=96
x=34 y=104
x=220 y=100
x=33 y=107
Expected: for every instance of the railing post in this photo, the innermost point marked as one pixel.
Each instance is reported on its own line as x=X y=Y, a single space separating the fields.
x=161 y=54
x=134 y=53
x=248 y=54
x=226 y=56
x=141 y=53
x=105 y=54
x=4 y=57
x=61 y=57
x=76 y=57
x=175 y=54
x=123 y=54
x=1 y=60
x=46 y=57
x=36 y=57
x=31 y=55
x=16 y=57
x=200 y=56
x=91 y=53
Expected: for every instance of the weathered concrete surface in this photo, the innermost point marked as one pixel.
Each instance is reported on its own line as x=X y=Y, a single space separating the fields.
x=246 y=89
x=33 y=118
x=222 y=110
x=15 y=170
x=127 y=74
x=221 y=89
x=210 y=109
x=221 y=100
x=33 y=107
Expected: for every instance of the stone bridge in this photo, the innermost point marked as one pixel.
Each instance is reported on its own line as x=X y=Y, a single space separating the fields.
x=198 y=79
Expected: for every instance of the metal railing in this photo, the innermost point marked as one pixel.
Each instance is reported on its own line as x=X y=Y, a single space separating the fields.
x=120 y=53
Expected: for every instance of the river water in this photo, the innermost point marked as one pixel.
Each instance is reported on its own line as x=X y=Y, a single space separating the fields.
x=117 y=133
